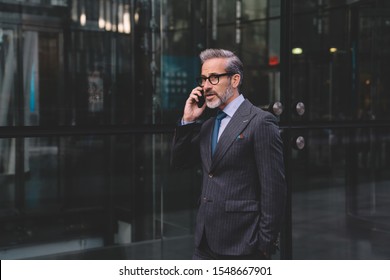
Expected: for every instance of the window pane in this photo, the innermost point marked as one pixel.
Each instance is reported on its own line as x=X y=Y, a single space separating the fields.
x=7 y=76
x=340 y=194
x=7 y=175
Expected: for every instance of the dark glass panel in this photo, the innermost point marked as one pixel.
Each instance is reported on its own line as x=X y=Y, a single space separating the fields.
x=340 y=194
x=321 y=76
x=7 y=176
x=371 y=59
x=8 y=70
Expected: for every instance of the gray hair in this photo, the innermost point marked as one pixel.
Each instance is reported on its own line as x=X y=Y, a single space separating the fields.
x=234 y=64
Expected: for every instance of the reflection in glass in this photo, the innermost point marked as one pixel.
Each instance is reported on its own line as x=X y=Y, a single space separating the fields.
x=42 y=188
x=7 y=174
x=7 y=76
x=341 y=196
x=95 y=192
x=31 y=78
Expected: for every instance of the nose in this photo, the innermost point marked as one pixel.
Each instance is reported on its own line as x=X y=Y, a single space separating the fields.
x=207 y=85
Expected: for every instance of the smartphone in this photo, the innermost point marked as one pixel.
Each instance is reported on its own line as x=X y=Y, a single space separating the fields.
x=201 y=100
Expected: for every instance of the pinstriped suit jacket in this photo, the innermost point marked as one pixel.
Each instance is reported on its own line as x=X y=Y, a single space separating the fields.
x=243 y=190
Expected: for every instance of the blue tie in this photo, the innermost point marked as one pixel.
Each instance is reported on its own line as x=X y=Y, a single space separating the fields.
x=217 y=124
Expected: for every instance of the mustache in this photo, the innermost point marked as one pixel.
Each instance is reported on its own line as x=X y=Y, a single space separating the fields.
x=211 y=92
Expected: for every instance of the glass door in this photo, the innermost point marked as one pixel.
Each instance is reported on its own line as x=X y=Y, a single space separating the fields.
x=369 y=185
x=338 y=128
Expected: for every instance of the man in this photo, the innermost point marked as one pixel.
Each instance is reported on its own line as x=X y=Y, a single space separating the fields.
x=243 y=191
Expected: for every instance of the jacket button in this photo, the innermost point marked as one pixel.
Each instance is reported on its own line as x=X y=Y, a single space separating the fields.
x=211 y=175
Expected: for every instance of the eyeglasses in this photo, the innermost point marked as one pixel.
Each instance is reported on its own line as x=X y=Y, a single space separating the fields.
x=213 y=78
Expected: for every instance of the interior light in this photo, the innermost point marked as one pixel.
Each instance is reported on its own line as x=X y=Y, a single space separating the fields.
x=120 y=27
x=273 y=60
x=120 y=18
x=102 y=23
x=297 y=51
x=108 y=26
x=83 y=19
x=333 y=50
x=126 y=20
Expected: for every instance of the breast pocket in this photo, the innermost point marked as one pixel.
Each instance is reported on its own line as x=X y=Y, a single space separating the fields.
x=241 y=147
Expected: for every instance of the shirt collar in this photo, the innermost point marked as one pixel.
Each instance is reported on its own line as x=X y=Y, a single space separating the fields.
x=232 y=107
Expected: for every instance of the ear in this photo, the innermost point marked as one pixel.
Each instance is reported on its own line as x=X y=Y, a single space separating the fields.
x=235 y=80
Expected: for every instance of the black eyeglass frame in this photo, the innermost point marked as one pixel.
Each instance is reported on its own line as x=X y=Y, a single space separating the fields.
x=201 y=80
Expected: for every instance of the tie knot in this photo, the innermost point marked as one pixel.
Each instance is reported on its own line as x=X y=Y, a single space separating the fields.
x=221 y=115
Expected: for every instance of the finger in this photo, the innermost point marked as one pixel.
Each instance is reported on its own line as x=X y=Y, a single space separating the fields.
x=194 y=96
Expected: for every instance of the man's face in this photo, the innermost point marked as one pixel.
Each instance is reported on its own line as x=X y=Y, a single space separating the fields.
x=220 y=94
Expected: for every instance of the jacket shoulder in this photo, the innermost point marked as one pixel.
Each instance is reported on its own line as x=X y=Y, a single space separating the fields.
x=261 y=114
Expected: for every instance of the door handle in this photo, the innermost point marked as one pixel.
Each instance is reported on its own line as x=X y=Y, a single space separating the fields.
x=300 y=108
x=277 y=108
x=299 y=142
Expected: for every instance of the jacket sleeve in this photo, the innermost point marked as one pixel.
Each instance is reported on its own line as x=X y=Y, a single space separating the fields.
x=185 y=146
x=270 y=166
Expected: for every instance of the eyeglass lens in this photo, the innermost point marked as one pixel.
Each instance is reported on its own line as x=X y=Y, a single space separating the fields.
x=213 y=79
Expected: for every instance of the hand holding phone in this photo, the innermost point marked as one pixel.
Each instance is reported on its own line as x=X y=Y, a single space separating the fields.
x=201 y=100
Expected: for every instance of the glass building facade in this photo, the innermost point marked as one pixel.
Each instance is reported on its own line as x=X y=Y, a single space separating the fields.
x=91 y=90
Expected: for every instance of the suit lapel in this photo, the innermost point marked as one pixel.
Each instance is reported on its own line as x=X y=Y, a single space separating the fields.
x=236 y=125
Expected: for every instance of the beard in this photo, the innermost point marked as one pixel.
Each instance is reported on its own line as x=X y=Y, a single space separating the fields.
x=220 y=99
